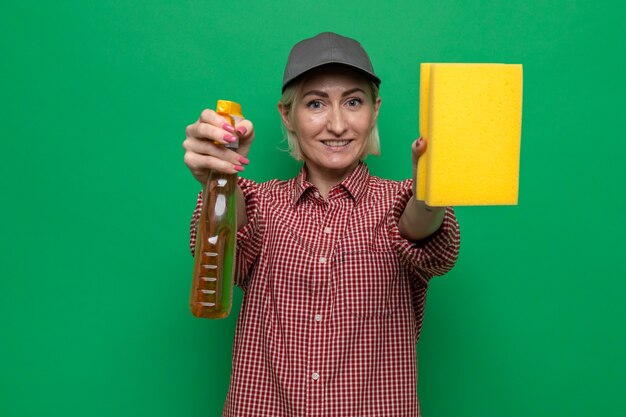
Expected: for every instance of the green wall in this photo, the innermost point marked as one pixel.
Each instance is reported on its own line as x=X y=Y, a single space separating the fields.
x=95 y=269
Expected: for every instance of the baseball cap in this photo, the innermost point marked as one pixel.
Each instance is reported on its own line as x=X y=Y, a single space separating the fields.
x=327 y=48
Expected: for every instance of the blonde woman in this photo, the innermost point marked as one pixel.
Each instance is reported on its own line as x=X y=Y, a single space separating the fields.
x=334 y=263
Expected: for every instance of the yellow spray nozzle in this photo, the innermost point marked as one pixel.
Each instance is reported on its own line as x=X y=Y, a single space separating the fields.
x=228 y=109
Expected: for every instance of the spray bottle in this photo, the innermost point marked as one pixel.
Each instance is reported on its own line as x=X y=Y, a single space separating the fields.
x=214 y=262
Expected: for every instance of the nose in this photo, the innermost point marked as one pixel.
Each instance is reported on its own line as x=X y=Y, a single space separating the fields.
x=336 y=122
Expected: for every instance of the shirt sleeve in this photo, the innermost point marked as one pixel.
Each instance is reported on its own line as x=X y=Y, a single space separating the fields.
x=435 y=255
x=249 y=237
x=193 y=225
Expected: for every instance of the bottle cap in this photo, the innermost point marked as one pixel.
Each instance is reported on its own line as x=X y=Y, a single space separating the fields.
x=228 y=109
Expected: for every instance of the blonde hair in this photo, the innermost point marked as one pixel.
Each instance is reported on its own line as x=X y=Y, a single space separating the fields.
x=288 y=101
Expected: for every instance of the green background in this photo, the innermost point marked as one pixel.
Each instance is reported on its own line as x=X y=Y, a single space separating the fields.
x=95 y=267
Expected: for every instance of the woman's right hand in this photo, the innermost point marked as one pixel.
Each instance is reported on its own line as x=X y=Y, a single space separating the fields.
x=205 y=150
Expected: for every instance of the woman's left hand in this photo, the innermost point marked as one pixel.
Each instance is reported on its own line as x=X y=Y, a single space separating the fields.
x=418 y=220
x=418 y=148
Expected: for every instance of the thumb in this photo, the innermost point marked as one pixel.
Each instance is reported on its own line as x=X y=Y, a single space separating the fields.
x=418 y=148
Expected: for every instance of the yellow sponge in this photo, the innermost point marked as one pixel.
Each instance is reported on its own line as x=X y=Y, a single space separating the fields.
x=471 y=117
x=424 y=97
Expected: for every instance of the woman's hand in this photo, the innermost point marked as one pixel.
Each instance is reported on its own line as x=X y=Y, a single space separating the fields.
x=418 y=148
x=205 y=150
x=418 y=221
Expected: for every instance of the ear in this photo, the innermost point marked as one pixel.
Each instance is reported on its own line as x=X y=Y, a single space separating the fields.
x=376 y=109
x=284 y=114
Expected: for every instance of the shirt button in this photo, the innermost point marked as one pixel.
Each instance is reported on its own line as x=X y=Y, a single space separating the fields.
x=316 y=194
x=322 y=260
x=318 y=317
x=327 y=230
x=315 y=376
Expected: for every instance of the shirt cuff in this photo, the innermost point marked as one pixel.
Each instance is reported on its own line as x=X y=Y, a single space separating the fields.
x=435 y=255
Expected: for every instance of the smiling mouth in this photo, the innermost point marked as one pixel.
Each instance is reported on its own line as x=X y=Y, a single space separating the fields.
x=336 y=143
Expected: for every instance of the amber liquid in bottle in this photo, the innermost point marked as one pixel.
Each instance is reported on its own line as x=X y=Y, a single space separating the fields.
x=214 y=261
x=212 y=285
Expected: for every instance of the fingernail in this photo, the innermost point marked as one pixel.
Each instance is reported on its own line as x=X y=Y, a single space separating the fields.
x=228 y=127
x=230 y=138
x=244 y=160
x=238 y=168
x=242 y=130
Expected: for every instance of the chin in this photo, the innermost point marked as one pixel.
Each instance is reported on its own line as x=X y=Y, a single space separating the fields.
x=341 y=165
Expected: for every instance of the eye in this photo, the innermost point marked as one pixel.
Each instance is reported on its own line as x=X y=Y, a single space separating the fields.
x=314 y=104
x=354 y=102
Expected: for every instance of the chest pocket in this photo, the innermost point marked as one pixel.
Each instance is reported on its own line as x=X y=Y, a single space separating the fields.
x=368 y=282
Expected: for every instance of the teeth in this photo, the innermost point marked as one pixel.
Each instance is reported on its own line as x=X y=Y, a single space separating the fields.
x=336 y=142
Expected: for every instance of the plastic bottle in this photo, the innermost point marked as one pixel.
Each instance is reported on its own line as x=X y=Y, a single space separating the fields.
x=214 y=268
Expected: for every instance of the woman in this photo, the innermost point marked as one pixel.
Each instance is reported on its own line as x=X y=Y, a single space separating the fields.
x=334 y=263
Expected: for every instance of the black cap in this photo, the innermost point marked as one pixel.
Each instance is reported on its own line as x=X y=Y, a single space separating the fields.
x=327 y=48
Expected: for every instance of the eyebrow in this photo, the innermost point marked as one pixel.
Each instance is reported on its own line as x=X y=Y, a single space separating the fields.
x=325 y=95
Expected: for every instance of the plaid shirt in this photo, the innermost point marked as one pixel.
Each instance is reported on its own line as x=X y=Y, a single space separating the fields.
x=333 y=299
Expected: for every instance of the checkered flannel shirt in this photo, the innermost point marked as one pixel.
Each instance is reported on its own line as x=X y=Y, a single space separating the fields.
x=333 y=298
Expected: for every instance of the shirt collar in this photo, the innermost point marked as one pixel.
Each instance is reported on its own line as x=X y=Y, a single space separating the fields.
x=355 y=183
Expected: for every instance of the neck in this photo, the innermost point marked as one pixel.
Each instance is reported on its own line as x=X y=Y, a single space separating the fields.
x=325 y=180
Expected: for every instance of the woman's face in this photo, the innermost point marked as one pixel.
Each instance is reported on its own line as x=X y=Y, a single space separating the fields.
x=333 y=117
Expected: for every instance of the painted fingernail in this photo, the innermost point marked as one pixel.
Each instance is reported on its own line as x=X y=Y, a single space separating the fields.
x=244 y=160
x=242 y=130
x=230 y=138
x=238 y=168
x=228 y=127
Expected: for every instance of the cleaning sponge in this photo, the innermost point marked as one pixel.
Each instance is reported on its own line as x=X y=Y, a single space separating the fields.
x=470 y=115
